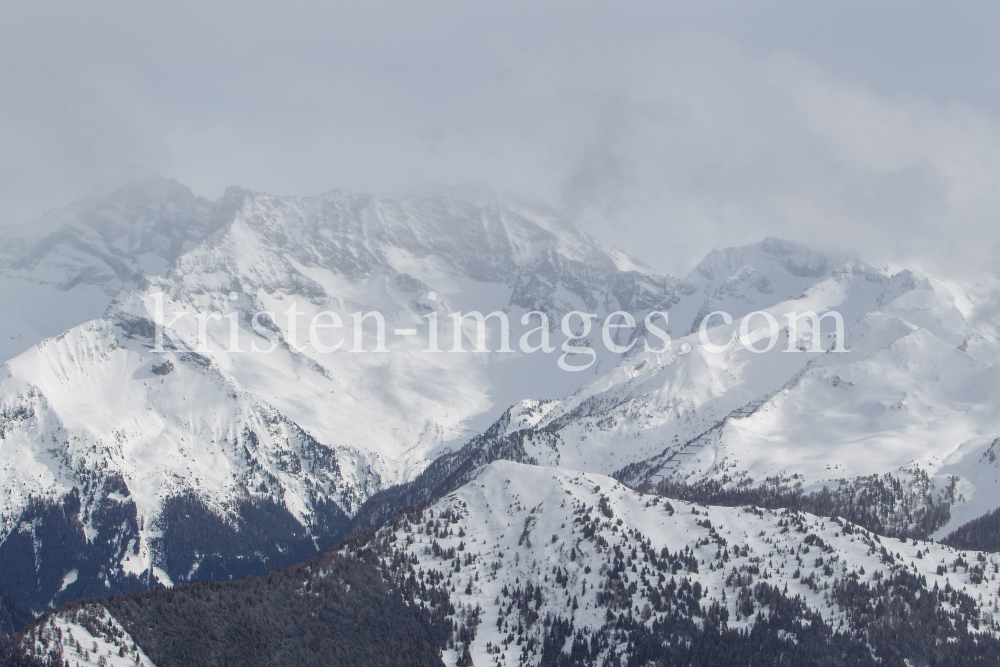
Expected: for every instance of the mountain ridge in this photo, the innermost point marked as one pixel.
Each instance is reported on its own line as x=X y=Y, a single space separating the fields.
x=156 y=464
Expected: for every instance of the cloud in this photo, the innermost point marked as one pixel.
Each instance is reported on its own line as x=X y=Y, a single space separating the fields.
x=664 y=131
x=686 y=142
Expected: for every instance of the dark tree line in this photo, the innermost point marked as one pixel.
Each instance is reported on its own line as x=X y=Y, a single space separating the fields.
x=982 y=534
x=879 y=503
x=357 y=609
x=13 y=616
x=49 y=542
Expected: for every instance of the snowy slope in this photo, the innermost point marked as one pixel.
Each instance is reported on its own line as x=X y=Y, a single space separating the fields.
x=66 y=267
x=516 y=525
x=536 y=561
x=125 y=421
x=201 y=431
x=163 y=457
x=89 y=637
x=742 y=280
x=913 y=396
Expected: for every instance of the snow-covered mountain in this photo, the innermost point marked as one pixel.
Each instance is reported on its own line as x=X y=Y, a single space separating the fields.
x=532 y=547
x=134 y=428
x=535 y=566
x=914 y=396
x=65 y=268
x=132 y=454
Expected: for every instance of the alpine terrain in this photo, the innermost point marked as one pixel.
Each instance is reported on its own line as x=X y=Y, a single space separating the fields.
x=266 y=430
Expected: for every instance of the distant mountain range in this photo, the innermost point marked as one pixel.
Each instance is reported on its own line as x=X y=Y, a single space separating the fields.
x=134 y=456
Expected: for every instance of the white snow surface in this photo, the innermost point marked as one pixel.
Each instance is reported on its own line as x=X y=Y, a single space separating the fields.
x=518 y=522
x=515 y=523
x=110 y=646
x=917 y=389
x=911 y=393
x=205 y=413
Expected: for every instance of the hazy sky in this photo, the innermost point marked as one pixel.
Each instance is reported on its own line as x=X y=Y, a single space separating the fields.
x=666 y=128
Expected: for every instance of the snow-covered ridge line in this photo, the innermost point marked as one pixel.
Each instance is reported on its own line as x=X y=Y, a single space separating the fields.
x=587 y=549
x=85 y=636
x=302 y=438
x=531 y=562
x=161 y=459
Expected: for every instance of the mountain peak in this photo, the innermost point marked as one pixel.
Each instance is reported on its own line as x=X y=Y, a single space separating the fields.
x=764 y=256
